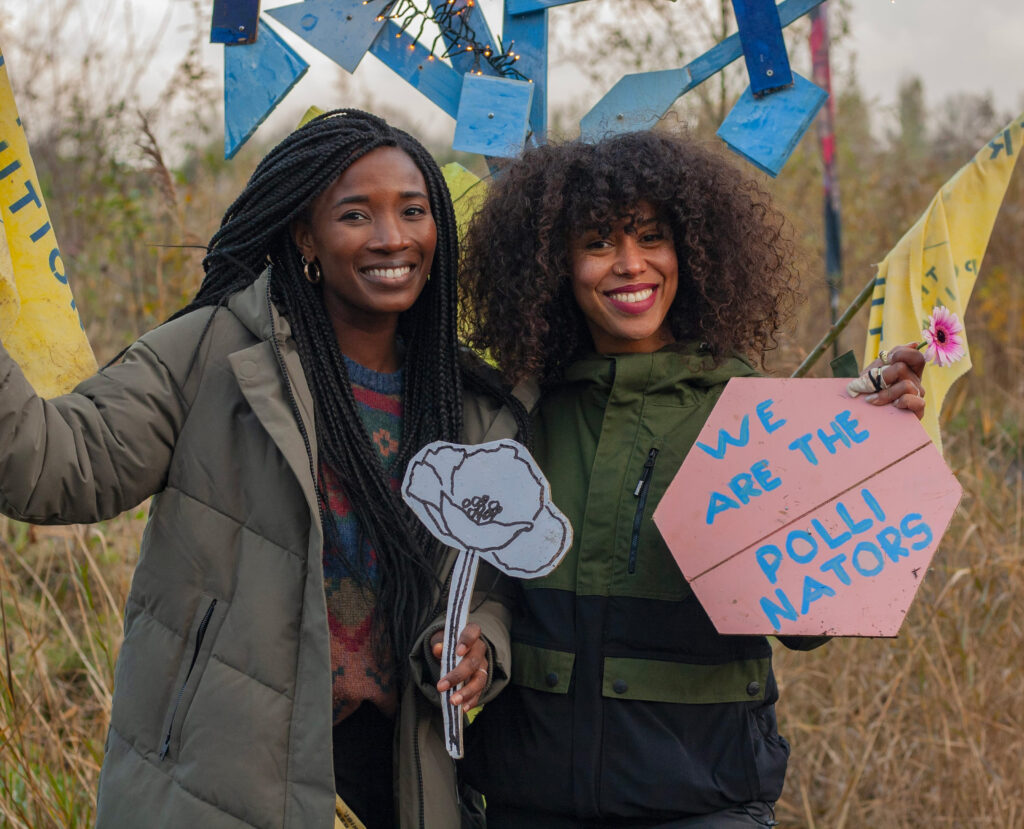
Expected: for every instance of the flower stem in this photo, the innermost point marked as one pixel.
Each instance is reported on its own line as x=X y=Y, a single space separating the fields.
x=459 y=596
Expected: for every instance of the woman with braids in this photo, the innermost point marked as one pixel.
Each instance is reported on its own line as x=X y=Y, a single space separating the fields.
x=634 y=277
x=284 y=595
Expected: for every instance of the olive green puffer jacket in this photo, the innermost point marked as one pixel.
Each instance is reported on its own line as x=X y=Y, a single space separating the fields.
x=222 y=695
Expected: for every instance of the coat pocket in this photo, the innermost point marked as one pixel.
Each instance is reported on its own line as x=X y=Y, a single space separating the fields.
x=640 y=493
x=207 y=618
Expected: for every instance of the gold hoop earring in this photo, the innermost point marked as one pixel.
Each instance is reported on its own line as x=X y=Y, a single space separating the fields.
x=311 y=271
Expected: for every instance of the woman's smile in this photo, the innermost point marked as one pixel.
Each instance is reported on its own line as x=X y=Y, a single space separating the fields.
x=387 y=272
x=633 y=299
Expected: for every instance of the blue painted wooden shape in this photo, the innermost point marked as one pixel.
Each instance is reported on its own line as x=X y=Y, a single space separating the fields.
x=235 y=21
x=765 y=130
x=764 y=50
x=528 y=6
x=529 y=33
x=434 y=78
x=467 y=61
x=341 y=29
x=494 y=115
x=643 y=98
x=256 y=77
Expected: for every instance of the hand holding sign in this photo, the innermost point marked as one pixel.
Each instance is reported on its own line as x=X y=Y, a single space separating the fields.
x=801 y=512
x=493 y=503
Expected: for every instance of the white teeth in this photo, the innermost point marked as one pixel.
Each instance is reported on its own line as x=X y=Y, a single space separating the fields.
x=388 y=273
x=633 y=296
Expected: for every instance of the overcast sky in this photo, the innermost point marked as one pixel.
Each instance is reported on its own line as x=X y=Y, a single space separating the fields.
x=953 y=45
x=973 y=46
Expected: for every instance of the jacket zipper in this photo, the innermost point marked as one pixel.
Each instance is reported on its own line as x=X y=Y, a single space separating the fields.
x=640 y=493
x=200 y=635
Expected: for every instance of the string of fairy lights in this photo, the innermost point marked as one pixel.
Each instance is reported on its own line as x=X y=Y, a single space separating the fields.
x=456 y=35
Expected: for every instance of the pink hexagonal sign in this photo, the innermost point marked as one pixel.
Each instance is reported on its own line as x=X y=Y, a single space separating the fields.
x=799 y=511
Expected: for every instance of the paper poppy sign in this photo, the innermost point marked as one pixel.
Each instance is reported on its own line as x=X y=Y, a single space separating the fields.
x=799 y=511
x=492 y=502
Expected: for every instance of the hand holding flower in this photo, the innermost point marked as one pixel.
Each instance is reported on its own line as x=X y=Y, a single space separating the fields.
x=472 y=670
x=943 y=344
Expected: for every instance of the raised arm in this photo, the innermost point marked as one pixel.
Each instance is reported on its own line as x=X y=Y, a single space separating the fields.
x=89 y=455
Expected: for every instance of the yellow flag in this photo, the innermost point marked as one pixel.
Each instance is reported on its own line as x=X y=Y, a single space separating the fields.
x=39 y=325
x=937 y=262
x=309 y=115
x=468 y=191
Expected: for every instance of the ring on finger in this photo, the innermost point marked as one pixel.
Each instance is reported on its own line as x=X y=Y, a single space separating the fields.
x=884 y=356
x=877 y=380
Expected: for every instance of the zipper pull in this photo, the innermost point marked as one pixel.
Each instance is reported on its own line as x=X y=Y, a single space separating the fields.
x=648 y=466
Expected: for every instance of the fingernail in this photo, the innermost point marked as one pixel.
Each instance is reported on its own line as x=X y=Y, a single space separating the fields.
x=871 y=398
x=443 y=685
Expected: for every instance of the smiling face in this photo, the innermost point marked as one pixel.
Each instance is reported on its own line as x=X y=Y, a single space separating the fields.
x=373 y=237
x=624 y=278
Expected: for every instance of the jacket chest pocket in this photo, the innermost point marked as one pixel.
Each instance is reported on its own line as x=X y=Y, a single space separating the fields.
x=647 y=569
x=206 y=621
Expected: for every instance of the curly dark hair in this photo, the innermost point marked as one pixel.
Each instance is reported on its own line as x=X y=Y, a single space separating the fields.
x=737 y=280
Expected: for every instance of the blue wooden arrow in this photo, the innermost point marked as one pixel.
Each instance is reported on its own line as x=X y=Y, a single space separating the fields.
x=341 y=29
x=410 y=60
x=638 y=101
x=256 y=77
x=529 y=34
x=765 y=130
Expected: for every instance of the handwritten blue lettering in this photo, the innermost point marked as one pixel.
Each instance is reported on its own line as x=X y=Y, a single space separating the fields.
x=724 y=439
x=765 y=415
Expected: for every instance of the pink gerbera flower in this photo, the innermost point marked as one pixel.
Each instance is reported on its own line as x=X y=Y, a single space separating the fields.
x=944 y=337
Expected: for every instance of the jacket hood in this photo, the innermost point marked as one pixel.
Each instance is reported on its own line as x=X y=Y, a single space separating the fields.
x=251 y=307
x=663 y=371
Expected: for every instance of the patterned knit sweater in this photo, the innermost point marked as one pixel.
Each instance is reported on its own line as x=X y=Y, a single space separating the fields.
x=357 y=674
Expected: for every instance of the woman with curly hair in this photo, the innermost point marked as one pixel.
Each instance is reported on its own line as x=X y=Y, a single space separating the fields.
x=634 y=277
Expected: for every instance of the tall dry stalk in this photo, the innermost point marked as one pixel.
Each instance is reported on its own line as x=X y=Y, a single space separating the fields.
x=62 y=593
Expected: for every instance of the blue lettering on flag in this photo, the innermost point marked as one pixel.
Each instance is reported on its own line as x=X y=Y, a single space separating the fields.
x=997 y=147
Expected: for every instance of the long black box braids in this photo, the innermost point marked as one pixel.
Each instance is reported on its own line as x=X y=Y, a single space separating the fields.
x=255 y=230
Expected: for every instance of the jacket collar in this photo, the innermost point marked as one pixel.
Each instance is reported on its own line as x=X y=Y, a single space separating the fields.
x=258 y=373
x=663 y=371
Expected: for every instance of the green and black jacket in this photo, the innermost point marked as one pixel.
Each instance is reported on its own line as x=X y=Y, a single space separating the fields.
x=626 y=703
